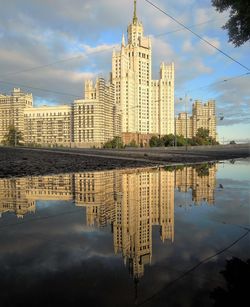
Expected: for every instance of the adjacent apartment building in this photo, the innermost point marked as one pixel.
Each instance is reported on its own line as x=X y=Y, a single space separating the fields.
x=203 y=116
x=12 y=110
x=87 y=122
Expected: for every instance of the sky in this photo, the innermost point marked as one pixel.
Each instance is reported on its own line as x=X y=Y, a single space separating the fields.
x=50 y=47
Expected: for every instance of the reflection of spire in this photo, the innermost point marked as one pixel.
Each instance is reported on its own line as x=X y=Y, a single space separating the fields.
x=135 y=15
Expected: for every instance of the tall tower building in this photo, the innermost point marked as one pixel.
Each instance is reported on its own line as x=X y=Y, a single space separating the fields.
x=146 y=106
x=131 y=72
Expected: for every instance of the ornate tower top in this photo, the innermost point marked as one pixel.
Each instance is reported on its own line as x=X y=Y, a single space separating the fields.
x=135 y=29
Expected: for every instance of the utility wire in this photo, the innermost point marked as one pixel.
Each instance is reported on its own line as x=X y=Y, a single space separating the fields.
x=218 y=82
x=192 y=26
x=39 y=89
x=56 y=62
x=197 y=35
x=41 y=66
x=137 y=106
x=194 y=268
x=93 y=53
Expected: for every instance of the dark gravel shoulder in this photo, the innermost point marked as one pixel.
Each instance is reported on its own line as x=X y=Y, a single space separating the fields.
x=20 y=162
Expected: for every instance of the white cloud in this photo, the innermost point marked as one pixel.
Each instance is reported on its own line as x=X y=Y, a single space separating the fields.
x=207 y=48
x=187 y=46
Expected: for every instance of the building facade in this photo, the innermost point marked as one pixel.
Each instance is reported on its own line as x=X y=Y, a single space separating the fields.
x=12 y=110
x=48 y=126
x=87 y=122
x=146 y=105
x=95 y=118
x=184 y=125
x=203 y=116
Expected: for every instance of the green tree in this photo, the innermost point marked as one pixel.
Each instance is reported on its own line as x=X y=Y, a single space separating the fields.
x=238 y=24
x=180 y=140
x=203 y=169
x=202 y=133
x=13 y=137
x=154 y=141
x=202 y=138
x=168 y=140
x=115 y=143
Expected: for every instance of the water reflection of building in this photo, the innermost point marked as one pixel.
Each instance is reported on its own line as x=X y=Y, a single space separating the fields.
x=201 y=179
x=131 y=201
x=146 y=199
x=95 y=192
x=13 y=197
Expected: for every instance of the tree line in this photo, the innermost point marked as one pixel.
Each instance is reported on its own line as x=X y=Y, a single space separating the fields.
x=202 y=138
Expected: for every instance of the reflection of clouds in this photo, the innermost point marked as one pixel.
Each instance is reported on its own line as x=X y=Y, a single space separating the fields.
x=128 y=201
x=68 y=253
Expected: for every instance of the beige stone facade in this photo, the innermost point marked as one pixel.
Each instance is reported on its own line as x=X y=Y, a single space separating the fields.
x=87 y=122
x=184 y=125
x=203 y=116
x=95 y=117
x=12 y=110
x=48 y=126
x=146 y=105
x=162 y=107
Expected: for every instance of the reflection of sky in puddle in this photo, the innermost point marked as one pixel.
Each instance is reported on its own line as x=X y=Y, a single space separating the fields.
x=153 y=224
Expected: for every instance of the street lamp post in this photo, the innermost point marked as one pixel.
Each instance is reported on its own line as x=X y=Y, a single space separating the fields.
x=175 y=141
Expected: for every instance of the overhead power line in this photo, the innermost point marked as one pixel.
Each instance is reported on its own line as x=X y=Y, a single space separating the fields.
x=218 y=82
x=56 y=62
x=197 y=35
x=39 y=89
x=40 y=67
x=77 y=96
x=192 y=26
x=93 y=53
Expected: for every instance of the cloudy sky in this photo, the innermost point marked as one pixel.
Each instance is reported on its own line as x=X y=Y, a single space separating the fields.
x=50 y=47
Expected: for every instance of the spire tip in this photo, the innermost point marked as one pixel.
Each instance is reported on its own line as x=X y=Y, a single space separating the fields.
x=135 y=15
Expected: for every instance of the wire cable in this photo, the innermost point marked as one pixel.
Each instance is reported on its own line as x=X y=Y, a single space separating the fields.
x=194 y=268
x=40 y=89
x=197 y=35
x=192 y=26
x=57 y=62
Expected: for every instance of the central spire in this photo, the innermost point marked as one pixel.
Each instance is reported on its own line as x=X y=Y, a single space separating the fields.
x=135 y=15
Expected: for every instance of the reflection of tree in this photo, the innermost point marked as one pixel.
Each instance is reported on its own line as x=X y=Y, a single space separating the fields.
x=236 y=274
x=172 y=168
x=203 y=169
